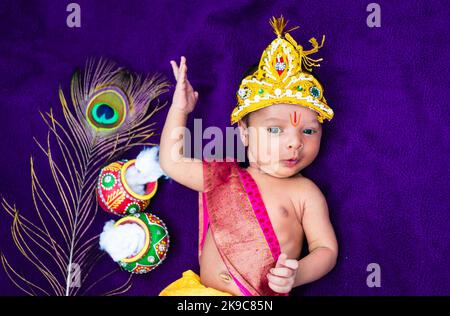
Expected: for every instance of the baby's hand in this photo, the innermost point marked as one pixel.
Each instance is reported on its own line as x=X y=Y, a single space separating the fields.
x=282 y=277
x=184 y=97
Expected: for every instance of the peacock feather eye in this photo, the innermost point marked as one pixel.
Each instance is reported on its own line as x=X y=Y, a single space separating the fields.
x=107 y=109
x=104 y=114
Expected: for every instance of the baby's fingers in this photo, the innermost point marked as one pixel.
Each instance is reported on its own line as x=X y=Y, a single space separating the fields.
x=279 y=281
x=175 y=69
x=281 y=259
x=291 y=263
x=282 y=272
x=182 y=73
x=279 y=289
x=182 y=60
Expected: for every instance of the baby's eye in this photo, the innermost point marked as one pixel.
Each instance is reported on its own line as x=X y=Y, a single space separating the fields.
x=274 y=130
x=309 y=131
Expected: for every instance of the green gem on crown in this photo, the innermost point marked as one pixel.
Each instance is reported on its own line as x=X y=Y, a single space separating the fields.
x=299 y=88
x=315 y=92
x=133 y=208
x=108 y=180
x=260 y=91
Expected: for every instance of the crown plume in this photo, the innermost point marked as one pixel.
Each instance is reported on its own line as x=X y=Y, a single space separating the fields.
x=279 y=24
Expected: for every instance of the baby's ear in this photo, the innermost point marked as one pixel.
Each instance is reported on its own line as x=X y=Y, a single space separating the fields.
x=243 y=132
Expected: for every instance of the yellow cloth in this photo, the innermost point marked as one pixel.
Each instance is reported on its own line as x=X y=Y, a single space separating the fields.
x=189 y=285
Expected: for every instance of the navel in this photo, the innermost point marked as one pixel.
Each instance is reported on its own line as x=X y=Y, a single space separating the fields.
x=225 y=276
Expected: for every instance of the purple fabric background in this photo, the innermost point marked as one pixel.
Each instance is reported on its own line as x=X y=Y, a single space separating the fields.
x=383 y=165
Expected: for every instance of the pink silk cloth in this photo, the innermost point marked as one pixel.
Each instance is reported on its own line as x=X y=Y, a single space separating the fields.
x=232 y=207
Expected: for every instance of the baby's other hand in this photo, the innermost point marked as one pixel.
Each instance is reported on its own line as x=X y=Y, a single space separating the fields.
x=184 y=97
x=282 y=277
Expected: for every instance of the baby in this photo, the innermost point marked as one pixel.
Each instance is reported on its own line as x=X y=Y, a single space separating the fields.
x=253 y=220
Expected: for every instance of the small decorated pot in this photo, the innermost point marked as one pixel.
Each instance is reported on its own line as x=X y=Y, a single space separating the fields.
x=156 y=243
x=115 y=196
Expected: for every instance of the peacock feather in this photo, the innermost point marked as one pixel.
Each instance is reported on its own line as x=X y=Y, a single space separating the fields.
x=111 y=113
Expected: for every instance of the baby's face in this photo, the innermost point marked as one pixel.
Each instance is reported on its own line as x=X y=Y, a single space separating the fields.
x=282 y=139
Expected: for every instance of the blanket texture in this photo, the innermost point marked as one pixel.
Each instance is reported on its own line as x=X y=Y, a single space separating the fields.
x=384 y=160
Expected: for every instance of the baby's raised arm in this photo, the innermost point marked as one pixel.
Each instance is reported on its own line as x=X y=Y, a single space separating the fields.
x=186 y=171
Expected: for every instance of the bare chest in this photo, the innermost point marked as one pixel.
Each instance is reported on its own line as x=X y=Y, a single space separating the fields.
x=284 y=210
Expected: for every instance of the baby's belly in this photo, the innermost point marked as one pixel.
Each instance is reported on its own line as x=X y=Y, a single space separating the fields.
x=213 y=272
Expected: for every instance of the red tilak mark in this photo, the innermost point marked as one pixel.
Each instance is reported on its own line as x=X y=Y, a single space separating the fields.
x=294 y=121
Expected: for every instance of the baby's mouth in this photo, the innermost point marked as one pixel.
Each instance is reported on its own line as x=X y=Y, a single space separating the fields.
x=290 y=162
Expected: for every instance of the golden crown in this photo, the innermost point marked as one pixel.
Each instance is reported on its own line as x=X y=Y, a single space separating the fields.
x=280 y=78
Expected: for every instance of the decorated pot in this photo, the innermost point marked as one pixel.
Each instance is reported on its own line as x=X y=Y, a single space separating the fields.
x=156 y=243
x=115 y=196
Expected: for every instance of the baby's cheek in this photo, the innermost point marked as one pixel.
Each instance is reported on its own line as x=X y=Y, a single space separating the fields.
x=265 y=147
x=314 y=145
x=260 y=152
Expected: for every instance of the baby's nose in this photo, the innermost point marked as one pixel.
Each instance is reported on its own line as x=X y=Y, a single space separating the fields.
x=295 y=142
